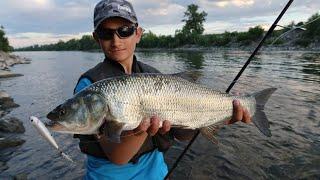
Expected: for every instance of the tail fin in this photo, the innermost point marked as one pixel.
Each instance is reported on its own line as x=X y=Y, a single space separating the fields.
x=260 y=119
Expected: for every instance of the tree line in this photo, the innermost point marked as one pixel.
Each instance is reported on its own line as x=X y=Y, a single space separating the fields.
x=192 y=34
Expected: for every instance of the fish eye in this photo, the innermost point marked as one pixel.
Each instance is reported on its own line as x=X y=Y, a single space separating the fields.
x=62 y=112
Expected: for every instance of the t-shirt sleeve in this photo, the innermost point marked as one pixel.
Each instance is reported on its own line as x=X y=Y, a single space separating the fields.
x=83 y=83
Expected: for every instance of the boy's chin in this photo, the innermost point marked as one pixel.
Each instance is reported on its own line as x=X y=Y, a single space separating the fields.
x=119 y=59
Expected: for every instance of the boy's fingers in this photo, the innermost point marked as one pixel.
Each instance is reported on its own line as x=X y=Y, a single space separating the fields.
x=154 y=126
x=246 y=116
x=166 y=125
x=237 y=111
x=144 y=125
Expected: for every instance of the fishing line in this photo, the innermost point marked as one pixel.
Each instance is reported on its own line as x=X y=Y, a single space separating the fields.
x=293 y=28
x=235 y=80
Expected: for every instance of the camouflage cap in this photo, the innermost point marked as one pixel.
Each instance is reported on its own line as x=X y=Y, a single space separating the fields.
x=113 y=8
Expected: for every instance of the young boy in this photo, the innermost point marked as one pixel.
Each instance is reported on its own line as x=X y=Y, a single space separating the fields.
x=139 y=156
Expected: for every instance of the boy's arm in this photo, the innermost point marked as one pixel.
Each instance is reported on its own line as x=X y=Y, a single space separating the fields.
x=121 y=153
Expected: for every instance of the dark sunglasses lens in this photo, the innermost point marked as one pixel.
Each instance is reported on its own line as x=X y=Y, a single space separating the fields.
x=122 y=32
x=105 y=34
x=125 y=31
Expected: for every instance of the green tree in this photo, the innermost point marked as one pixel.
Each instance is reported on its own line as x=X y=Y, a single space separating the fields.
x=4 y=43
x=255 y=33
x=193 y=20
x=313 y=28
x=87 y=43
x=148 y=40
x=193 y=27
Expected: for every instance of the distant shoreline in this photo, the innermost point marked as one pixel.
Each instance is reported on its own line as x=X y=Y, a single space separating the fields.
x=206 y=49
x=249 y=48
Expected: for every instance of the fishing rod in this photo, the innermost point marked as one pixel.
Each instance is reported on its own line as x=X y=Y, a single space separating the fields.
x=273 y=26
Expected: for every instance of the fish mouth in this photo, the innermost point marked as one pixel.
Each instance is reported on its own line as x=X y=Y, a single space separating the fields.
x=53 y=116
x=54 y=126
x=58 y=127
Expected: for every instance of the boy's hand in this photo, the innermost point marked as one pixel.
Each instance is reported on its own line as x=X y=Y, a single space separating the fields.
x=151 y=126
x=239 y=113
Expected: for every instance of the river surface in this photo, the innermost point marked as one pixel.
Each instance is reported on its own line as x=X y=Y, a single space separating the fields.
x=293 y=152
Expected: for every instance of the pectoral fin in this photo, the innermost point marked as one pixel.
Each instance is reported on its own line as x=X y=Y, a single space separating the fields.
x=112 y=130
x=210 y=132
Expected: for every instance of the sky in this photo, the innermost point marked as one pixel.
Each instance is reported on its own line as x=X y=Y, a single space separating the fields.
x=29 y=22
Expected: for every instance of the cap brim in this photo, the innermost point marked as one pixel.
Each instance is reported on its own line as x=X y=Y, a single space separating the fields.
x=107 y=17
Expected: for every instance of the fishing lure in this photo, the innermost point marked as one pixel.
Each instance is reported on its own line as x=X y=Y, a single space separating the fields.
x=44 y=132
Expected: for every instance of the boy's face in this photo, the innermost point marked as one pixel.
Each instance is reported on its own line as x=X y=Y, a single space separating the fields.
x=116 y=48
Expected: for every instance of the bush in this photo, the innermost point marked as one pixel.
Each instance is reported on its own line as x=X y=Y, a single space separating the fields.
x=313 y=29
x=303 y=42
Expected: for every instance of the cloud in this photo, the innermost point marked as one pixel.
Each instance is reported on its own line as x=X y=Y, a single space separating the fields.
x=44 y=16
x=158 y=12
x=24 y=39
x=31 y=5
x=164 y=29
x=165 y=10
x=225 y=3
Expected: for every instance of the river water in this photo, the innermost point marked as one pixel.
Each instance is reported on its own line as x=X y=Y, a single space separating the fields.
x=242 y=153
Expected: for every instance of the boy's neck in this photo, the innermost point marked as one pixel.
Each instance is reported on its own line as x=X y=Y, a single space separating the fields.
x=127 y=65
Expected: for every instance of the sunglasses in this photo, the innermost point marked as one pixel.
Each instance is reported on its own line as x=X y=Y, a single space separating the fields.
x=122 y=32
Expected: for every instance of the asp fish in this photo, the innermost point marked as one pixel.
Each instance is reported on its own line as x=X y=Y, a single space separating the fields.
x=120 y=103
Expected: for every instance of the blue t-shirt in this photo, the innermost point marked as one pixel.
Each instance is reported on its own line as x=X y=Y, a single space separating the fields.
x=150 y=166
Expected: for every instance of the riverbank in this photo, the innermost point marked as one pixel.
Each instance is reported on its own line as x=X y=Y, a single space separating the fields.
x=11 y=128
x=9 y=125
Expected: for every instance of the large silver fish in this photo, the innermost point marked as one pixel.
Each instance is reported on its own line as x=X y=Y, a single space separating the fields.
x=122 y=102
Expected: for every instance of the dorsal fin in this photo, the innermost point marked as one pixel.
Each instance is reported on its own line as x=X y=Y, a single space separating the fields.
x=191 y=76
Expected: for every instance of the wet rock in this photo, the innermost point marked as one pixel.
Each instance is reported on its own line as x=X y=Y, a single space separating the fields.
x=6 y=142
x=8 y=74
x=3 y=167
x=8 y=60
x=4 y=94
x=21 y=176
x=11 y=125
x=2 y=113
x=6 y=101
